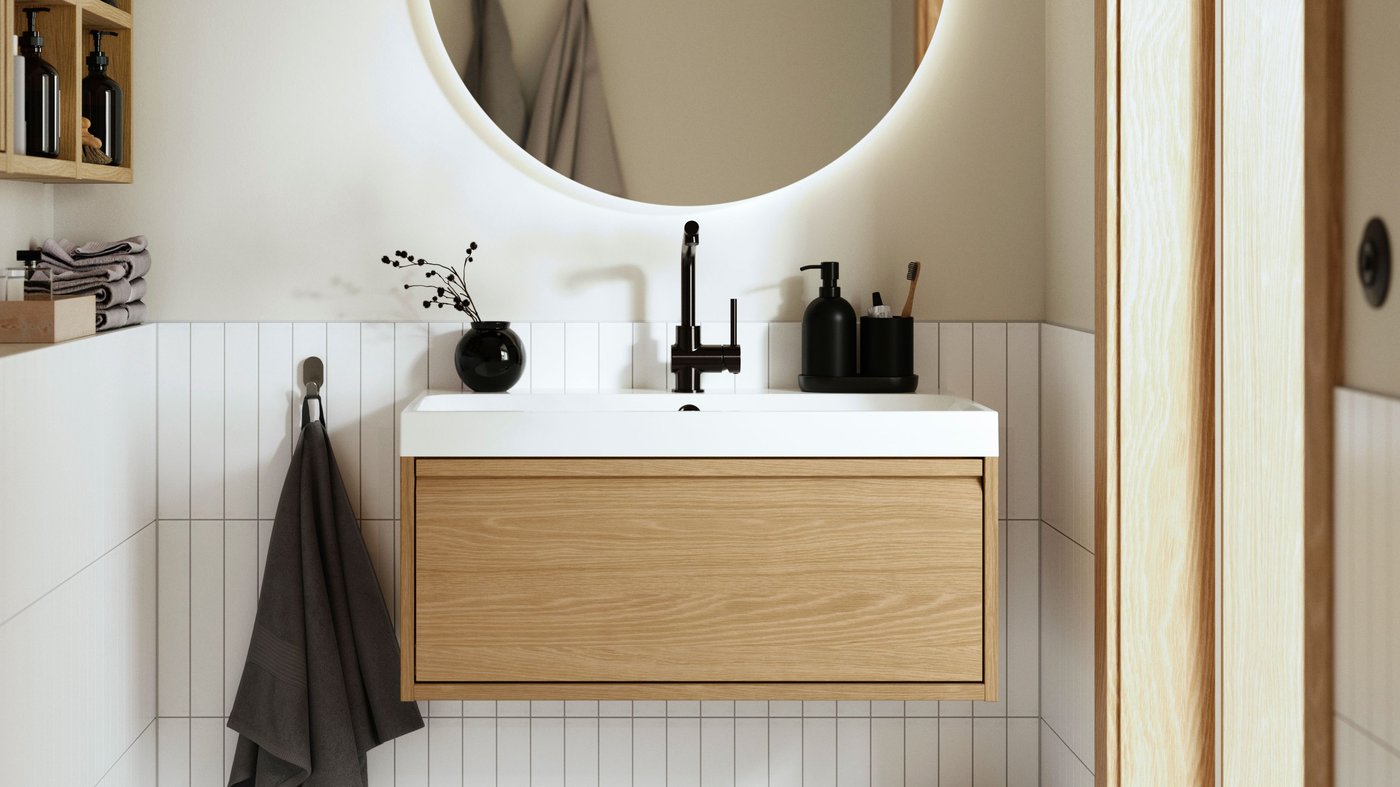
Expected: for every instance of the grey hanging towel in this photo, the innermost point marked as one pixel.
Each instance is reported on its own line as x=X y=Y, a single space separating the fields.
x=320 y=687
x=570 y=129
x=490 y=73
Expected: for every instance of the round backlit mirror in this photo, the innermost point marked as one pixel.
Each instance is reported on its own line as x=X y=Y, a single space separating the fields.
x=678 y=102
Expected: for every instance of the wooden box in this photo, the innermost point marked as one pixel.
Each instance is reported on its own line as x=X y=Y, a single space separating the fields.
x=47 y=322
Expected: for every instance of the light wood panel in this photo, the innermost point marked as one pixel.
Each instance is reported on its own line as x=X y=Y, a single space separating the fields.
x=691 y=468
x=701 y=691
x=699 y=579
x=926 y=15
x=1324 y=209
x=1156 y=332
x=407 y=585
x=991 y=581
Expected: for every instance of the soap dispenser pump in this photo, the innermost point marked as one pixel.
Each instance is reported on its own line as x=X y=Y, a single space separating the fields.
x=41 y=92
x=828 y=330
x=102 y=101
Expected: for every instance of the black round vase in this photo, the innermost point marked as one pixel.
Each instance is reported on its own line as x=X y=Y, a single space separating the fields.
x=490 y=357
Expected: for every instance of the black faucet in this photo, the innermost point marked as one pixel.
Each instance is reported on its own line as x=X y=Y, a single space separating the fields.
x=690 y=358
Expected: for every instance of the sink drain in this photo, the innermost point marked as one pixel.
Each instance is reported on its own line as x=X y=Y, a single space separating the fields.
x=688 y=408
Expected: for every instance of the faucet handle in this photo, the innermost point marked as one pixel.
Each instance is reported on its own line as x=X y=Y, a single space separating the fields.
x=734 y=322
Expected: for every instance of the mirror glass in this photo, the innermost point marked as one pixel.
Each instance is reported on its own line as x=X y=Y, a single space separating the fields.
x=682 y=102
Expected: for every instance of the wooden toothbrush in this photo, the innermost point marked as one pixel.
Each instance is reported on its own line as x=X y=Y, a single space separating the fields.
x=913 y=277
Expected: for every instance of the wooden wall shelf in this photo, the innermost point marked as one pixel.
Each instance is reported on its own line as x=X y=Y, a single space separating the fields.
x=66 y=45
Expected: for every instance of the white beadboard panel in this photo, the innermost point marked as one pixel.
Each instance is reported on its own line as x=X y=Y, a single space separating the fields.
x=275 y=376
x=513 y=708
x=649 y=752
x=580 y=752
x=954 y=753
x=240 y=601
x=173 y=625
x=81 y=659
x=615 y=752
x=240 y=441
x=442 y=346
x=379 y=765
x=819 y=752
x=581 y=357
x=1022 y=459
x=751 y=708
x=1363 y=761
x=989 y=752
x=1023 y=752
x=998 y=708
x=1067 y=432
x=411 y=759
x=924 y=749
x=683 y=752
x=547 y=343
x=410 y=380
x=1059 y=767
x=683 y=708
x=525 y=384
x=173 y=752
x=379 y=467
x=989 y=377
x=784 y=355
x=853 y=708
x=60 y=404
x=615 y=356
x=819 y=708
x=207 y=619
x=785 y=752
x=717 y=708
x=207 y=752
x=1367 y=556
x=1067 y=640
x=444 y=708
x=513 y=752
x=341 y=398
x=137 y=766
x=173 y=427
x=751 y=752
x=920 y=709
x=1021 y=647
x=207 y=421
x=651 y=352
x=547 y=708
x=641 y=708
x=717 y=745
x=955 y=359
x=479 y=708
x=444 y=752
x=853 y=742
x=479 y=752
x=896 y=708
x=753 y=370
x=781 y=708
x=887 y=752
x=926 y=356
x=546 y=752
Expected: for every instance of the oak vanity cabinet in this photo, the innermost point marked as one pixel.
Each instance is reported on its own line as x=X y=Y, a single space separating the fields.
x=698 y=579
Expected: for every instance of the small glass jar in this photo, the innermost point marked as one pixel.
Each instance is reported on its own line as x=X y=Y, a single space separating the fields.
x=12 y=284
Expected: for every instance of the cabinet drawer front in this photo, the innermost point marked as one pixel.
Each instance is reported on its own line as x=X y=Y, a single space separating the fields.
x=698 y=578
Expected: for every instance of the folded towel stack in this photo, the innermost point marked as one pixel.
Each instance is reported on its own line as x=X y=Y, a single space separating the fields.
x=114 y=272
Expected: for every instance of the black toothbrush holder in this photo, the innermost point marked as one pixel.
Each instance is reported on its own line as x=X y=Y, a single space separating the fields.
x=886 y=346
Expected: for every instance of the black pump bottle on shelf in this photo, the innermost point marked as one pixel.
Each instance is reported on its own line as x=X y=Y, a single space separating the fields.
x=41 y=92
x=102 y=101
x=829 y=329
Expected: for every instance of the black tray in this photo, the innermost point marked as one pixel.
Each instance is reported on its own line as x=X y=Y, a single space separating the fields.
x=880 y=385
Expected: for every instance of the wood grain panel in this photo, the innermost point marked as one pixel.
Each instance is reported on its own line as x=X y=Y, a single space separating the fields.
x=1157 y=332
x=990 y=580
x=407 y=596
x=682 y=579
x=713 y=468
x=700 y=691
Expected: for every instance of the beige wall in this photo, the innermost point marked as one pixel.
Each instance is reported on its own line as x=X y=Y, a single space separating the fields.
x=26 y=217
x=1372 y=188
x=270 y=181
x=727 y=99
x=1069 y=163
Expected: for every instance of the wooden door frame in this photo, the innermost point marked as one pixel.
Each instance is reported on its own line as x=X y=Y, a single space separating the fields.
x=1137 y=513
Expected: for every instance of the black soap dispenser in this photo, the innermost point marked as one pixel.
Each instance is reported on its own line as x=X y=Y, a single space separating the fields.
x=41 y=92
x=102 y=101
x=828 y=331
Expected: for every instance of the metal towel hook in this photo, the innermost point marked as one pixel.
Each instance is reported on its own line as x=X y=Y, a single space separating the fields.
x=313 y=379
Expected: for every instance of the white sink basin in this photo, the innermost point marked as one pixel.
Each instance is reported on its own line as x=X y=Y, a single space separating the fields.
x=651 y=424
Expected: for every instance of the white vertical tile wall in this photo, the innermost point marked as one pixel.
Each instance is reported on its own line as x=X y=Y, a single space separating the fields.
x=211 y=556
x=78 y=562
x=1367 y=602
x=1066 y=557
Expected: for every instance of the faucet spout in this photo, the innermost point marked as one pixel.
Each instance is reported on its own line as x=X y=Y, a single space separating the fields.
x=689 y=356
